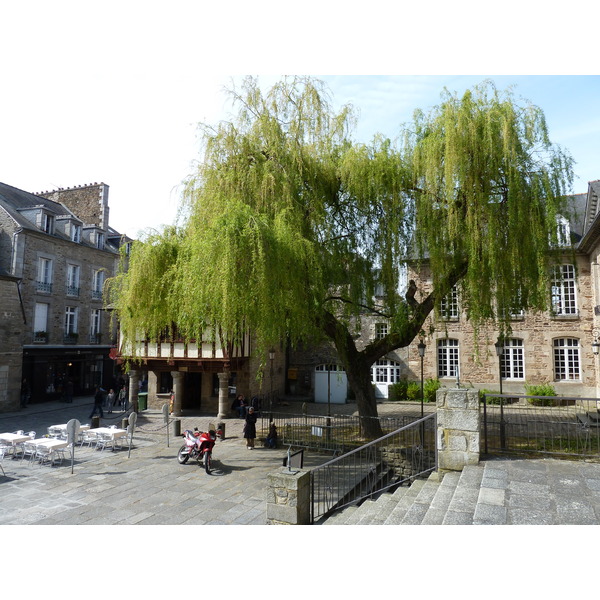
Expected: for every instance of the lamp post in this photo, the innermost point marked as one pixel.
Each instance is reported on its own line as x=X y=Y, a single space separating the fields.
x=421 y=348
x=271 y=359
x=500 y=351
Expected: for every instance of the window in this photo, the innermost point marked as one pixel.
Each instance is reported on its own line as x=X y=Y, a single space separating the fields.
x=564 y=298
x=385 y=371
x=563 y=231
x=449 y=305
x=447 y=358
x=40 y=322
x=95 y=326
x=44 y=278
x=75 y=233
x=566 y=359
x=100 y=241
x=512 y=362
x=97 y=284
x=47 y=223
x=72 y=280
x=381 y=330
x=70 y=321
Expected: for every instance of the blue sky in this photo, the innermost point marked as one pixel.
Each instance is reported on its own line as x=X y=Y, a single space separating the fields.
x=112 y=92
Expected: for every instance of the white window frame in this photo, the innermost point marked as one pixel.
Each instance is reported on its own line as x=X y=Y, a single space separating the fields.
x=385 y=371
x=97 y=284
x=40 y=316
x=449 y=309
x=512 y=361
x=448 y=357
x=567 y=359
x=95 y=323
x=47 y=223
x=381 y=330
x=44 y=278
x=76 y=233
x=564 y=290
x=70 y=320
x=73 y=278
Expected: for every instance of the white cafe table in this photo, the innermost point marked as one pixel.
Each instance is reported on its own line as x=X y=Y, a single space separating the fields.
x=50 y=443
x=14 y=438
x=111 y=432
x=62 y=429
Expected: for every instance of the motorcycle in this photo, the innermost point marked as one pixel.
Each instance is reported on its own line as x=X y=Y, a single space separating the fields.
x=198 y=445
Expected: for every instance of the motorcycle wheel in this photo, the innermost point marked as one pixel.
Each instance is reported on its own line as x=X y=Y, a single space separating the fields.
x=207 y=461
x=182 y=458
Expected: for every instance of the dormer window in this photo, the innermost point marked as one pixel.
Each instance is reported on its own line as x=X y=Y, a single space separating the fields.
x=563 y=231
x=75 y=233
x=47 y=223
x=100 y=240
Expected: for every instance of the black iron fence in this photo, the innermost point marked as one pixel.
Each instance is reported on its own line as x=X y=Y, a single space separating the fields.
x=337 y=433
x=383 y=464
x=533 y=425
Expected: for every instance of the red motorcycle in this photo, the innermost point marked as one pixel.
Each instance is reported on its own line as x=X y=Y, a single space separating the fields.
x=198 y=445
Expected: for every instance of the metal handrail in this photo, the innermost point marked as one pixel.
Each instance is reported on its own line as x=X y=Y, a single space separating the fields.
x=387 y=462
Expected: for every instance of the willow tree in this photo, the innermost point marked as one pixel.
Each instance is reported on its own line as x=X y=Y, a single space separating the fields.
x=290 y=224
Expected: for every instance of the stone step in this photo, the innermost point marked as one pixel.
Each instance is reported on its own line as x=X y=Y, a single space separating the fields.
x=416 y=513
x=441 y=501
x=404 y=503
x=461 y=509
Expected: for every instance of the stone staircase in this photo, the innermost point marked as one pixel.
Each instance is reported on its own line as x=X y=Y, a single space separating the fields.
x=457 y=498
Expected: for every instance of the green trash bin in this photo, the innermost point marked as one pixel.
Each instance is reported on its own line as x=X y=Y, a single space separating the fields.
x=143 y=401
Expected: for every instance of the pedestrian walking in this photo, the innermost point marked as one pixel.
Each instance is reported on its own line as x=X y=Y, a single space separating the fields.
x=98 y=400
x=250 y=428
x=123 y=397
x=110 y=400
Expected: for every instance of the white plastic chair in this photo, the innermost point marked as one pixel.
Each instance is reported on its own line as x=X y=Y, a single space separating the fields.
x=89 y=438
x=45 y=454
x=105 y=440
x=30 y=450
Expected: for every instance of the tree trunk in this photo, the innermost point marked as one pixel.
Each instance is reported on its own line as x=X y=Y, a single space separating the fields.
x=358 y=371
x=359 y=378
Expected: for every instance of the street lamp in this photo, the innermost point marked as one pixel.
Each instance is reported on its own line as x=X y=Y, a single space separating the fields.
x=271 y=359
x=421 y=348
x=500 y=351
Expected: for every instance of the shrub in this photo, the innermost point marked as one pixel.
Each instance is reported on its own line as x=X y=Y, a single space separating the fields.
x=398 y=391
x=413 y=392
x=430 y=387
x=544 y=389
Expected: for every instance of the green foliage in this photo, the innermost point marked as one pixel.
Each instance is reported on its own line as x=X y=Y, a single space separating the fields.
x=544 y=389
x=411 y=390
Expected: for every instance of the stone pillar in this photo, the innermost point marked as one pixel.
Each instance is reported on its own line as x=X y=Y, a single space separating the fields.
x=288 y=497
x=178 y=392
x=134 y=388
x=457 y=428
x=224 y=407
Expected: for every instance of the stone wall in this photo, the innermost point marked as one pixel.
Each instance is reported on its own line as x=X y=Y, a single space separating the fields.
x=11 y=334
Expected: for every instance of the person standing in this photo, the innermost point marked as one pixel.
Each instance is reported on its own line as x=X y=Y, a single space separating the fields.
x=98 y=400
x=69 y=391
x=110 y=399
x=250 y=428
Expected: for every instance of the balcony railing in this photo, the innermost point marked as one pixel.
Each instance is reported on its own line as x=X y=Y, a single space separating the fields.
x=71 y=338
x=72 y=290
x=96 y=295
x=42 y=286
x=40 y=337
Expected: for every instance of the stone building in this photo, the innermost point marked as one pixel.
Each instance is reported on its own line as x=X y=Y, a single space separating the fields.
x=555 y=347
x=61 y=257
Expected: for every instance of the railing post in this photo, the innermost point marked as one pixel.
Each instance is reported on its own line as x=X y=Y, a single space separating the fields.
x=457 y=428
x=288 y=497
